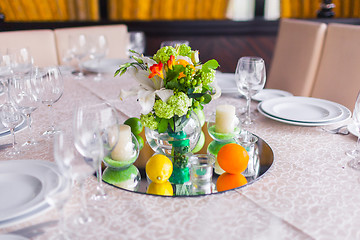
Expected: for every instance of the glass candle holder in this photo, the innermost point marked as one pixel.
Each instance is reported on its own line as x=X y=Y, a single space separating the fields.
x=201 y=168
x=249 y=142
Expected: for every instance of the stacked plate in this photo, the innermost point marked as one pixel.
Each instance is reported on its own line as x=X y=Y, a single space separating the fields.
x=304 y=111
x=24 y=185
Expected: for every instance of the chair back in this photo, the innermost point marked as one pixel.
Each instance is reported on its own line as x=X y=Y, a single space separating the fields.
x=41 y=44
x=338 y=77
x=296 y=56
x=117 y=38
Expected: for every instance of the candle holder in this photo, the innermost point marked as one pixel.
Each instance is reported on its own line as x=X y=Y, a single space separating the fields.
x=123 y=173
x=220 y=139
x=249 y=142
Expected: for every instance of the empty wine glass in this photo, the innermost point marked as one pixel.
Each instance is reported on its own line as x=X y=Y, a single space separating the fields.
x=98 y=50
x=49 y=87
x=355 y=153
x=96 y=134
x=10 y=117
x=136 y=42
x=5 y=73
x=22 y=93
x=74 y=168
x=20 y=60
x=79 y=48
x=174 y=43
x=250 y=77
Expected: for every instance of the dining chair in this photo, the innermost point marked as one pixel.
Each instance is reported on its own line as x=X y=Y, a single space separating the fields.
x=41 y=44
x=117 y=38
x=296 y=56
x=338 y=77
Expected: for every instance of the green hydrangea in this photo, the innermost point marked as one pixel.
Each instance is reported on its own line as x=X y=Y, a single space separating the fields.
x=164 y=53
x=180 y=103
x=149 y=121
x=185 y=50
x=163 y=110
x=206 y=77
x=177 y=104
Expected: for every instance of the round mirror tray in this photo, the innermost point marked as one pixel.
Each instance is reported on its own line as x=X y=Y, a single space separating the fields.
x=134 y=178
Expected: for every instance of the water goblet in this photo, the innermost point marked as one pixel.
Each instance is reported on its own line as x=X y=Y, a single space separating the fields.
x=250 y=77
x=136 y=42
x=96 y=134
x=355 y=163
x=22 y=93
x=98 y=50
x=49 y=87
x=10 y=117
x=74 y=169
x=20 y=60
x=174 y=43
x=5 y=73
x=79 y=48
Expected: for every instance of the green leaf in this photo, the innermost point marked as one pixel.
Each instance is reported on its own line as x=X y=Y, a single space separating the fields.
x=207 y=98
x=163 y=124
x=211 y=64
x=171 y=122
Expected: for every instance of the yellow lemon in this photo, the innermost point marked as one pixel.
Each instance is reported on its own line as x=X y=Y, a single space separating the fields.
x=159 y=168
x=164 y=189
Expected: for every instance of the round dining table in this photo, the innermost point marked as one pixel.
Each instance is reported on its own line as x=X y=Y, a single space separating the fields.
x=309 y=192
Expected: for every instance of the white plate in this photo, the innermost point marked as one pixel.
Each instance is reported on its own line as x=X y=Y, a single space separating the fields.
x=12 y=237
x=266 y=94
x=302 y=109
x=226 y=82
x=345 y=116
x=353 y=130
x=107 y=65
x=26 y=184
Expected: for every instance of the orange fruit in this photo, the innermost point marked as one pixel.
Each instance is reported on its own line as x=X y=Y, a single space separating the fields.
x=233 y=158
x=227 y=181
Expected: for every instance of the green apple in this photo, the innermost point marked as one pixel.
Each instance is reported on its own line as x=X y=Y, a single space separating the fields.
x=200 y=143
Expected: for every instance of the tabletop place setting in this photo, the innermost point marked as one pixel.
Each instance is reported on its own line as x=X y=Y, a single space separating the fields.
x=72 y=154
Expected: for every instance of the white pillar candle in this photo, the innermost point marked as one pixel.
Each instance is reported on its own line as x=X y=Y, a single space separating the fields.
x=123 y=150
x=225 y=119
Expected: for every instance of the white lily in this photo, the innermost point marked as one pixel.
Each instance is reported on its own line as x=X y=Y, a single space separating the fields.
x=147 y=89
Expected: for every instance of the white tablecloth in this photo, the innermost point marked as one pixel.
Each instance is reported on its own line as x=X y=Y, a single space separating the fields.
x=308 y=193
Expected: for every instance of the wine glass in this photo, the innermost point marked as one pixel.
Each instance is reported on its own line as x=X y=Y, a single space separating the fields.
x=22 y=93
x=98 y=50
x=96 y=134
x=174 y=43
x=20 y=60
x=10 y=117
x=79 y=48
x=250 y=77
x=5 y=73
x=355 y=163
x=136 y=42
x=74 y=169
x=49 y=87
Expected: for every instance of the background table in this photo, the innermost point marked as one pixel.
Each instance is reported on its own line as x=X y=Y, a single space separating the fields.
x=308 y=193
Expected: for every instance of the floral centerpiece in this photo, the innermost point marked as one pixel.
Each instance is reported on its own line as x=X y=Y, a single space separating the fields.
x=171 y=85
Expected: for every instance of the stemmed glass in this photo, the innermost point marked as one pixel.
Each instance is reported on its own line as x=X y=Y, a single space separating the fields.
x=5 y=73
x=20 y=60
x=10 y=117
x=22 y=93
x=355 y=163
x=79 y=48
x=49 y=87
x=98 y=50
x=250 y=77
x=136 y=42
x=74 y=169
x=96 y=134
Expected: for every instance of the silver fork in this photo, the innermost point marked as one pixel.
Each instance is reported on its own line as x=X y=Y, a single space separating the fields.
x=339 y=130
